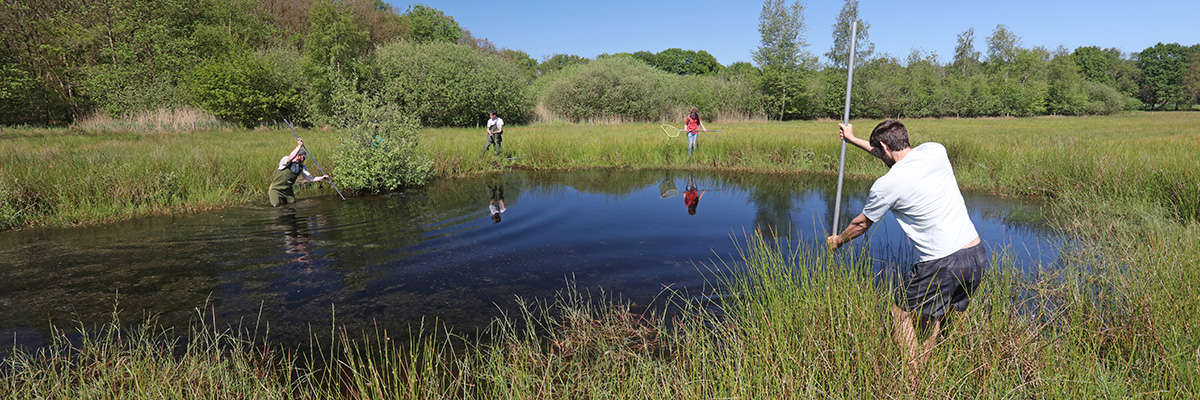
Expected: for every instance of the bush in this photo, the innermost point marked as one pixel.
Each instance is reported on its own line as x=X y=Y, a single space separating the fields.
x=377 y=152
x=243 y=88
x=446 y=84
x=618 y=87
x=1104 y=99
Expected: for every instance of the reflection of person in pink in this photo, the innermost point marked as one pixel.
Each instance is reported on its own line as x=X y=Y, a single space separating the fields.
x=691 y=198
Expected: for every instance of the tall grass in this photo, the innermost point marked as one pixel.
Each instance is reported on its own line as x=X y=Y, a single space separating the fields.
x=66 y=177
x=1115 y=318
x=184 y=119
x=795 y=324
x=144 y=361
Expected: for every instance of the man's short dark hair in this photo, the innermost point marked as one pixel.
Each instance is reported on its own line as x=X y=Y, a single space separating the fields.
x=890 y=132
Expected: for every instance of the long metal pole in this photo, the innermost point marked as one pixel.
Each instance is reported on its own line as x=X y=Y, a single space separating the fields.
x=335 y=188
x=837 y=204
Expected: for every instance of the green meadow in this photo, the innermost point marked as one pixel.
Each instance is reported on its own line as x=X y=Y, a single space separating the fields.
x=1116 y=318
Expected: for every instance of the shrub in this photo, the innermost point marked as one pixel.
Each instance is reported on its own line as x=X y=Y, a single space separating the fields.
x=243 y=88
x=1103 y=99
x=377 y=152
x=618 y=87
x=446 y=84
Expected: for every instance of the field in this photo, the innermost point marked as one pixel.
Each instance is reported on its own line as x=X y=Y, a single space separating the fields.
x=1116 y=320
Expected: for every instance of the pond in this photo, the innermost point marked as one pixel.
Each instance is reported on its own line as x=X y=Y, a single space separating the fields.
x=437 y=253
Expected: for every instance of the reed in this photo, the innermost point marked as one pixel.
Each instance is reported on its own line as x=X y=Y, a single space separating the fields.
x=145 y=361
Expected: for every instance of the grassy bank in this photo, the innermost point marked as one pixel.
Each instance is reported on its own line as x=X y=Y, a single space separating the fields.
x=68 y=177
x=1115 y=320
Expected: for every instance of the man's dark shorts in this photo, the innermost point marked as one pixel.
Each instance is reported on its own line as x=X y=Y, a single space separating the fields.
x=936 y=285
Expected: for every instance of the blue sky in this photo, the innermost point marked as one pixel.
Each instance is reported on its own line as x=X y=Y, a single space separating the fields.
x=729 y=29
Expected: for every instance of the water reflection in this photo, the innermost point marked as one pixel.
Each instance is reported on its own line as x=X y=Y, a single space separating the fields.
x=691 y=198
x=496 y=203
x=438 y=254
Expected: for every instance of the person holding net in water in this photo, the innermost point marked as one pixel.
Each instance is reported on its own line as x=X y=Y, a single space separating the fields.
x=289 y=169
x=921 y=191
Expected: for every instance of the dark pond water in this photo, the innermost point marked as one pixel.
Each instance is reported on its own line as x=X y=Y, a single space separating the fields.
x=437 y=253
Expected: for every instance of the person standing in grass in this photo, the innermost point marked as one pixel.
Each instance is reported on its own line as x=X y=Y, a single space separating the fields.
x=495 y=128
x=921 y=191
x=290 y=167
x=693 y=125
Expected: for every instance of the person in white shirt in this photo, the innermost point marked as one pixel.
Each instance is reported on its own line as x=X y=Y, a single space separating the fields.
x=495 y=128
x=290 y=167
x=921 y=191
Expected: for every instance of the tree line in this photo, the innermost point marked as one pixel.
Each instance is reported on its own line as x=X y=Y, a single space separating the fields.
x=342 y=61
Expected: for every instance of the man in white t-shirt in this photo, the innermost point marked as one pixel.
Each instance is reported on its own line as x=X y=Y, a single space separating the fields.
x=495 y=128
x=921 y=191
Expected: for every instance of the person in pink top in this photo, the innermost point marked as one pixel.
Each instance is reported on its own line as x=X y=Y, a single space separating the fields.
x=693 y=125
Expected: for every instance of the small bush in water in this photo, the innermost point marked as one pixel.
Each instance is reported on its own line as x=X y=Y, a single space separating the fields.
x=379 y=155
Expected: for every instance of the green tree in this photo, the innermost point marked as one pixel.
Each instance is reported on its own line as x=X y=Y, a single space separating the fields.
x=839 y=52
x=1191 y=77
x=446 y=84
x=230 y=26
x=142 y=52
x=1163 y=68
x=40 y=63
x=558 y=62
x=332 y=48
x=684 y=62
x=610 y=87
x=1003 y=46
x=781 y=56
x=428 y=24
x=927 y=95
x=966 y=58
x=243 y=88
x=1094 y=63
x=782 y=29
x=1066 y=92
x=741 y=68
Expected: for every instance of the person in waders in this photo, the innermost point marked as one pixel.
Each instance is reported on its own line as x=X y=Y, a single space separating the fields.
x=495 y=128
x=290 y=167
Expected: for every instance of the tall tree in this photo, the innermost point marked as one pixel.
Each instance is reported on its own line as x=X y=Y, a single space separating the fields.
x=1191 y=76
x=1002 y=46
x=781 y=55
x=683 y=62
x=144 y=50
x=966 y=58
x=1163 y=67
x=1094 y=63
x=558 y=62
x=428 y=24
x=782 y=29
x=839 y=52
x=333 y=45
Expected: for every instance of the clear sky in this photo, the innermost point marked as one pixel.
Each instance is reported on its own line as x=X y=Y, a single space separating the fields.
x=728 y=29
